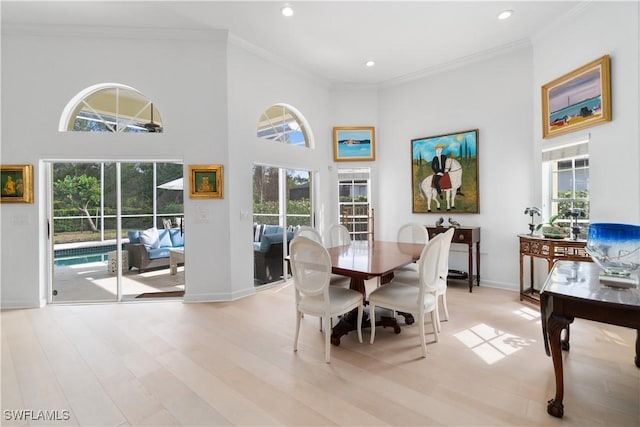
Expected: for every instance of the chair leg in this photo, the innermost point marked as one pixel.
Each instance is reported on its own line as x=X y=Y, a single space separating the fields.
x=434 y=320
x=327 y=341
x=295 y=339
x=423 y=342
x=437 y=311
x=444 y=305
x=372 y=317
x=359 y=326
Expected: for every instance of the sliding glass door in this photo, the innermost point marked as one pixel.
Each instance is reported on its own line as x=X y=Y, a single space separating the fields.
x=282 y=200
x=96 y=208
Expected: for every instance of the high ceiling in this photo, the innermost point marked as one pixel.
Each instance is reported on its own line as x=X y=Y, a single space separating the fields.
x=331 y=40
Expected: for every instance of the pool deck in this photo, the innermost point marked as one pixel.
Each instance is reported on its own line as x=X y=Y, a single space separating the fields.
x=92 y=282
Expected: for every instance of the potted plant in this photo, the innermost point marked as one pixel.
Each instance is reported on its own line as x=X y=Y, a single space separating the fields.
x=551 y=230
x=531 y=211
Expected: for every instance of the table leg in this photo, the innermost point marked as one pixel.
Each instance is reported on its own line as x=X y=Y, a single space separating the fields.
x=347 y=322
x=637 y=348
x=470 y=267
x=478 y=263
x=555 y=326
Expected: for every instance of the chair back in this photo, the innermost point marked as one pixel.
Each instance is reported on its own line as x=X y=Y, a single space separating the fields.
x=413 y=233
x=443 y=261
x=428 y=267
x=310 y=266
x=309 y=232
x=339 y=236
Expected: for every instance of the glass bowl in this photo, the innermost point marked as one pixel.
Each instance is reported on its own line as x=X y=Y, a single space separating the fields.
x=614 y=247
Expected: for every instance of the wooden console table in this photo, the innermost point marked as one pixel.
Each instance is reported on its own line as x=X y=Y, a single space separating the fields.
x=550 y=249
x=576 y=290
x=468 y=236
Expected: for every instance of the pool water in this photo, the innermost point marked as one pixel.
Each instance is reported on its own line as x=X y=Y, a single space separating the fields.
x=80 y=259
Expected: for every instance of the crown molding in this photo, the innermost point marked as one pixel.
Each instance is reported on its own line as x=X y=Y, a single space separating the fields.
x=458 y=63
x=280 y=61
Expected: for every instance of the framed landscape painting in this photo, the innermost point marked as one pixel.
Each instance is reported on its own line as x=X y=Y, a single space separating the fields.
x=206 y=181
x=444 y=173
x=354 y=143
x=579 y=99
x=16 y=184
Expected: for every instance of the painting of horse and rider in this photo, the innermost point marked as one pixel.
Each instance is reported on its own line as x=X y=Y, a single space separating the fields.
x=444 y=173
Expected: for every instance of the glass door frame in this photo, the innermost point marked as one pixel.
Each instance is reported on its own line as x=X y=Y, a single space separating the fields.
x=282 y=205
x=48 y=168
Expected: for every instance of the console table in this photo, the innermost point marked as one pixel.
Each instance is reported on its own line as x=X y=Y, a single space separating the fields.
x=577 y=290
x=550 y=249
x=467 y=236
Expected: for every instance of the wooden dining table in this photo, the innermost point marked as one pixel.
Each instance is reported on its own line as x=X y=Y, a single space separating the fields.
x=364 y=260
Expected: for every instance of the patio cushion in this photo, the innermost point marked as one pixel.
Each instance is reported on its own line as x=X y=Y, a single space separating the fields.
x=164 y=239
x=158 y=253
x=177 y=238
x=150 y=239
x=134 y=236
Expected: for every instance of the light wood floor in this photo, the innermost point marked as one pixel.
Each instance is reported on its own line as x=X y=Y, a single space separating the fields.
x=170 y=363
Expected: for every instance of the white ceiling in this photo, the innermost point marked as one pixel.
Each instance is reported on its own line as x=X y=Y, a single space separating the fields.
x=331 y=40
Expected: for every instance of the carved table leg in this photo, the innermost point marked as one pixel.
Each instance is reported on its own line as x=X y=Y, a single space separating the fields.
x=555 y=326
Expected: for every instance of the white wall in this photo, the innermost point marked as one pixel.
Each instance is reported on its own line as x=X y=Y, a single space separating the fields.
x=43 y=68
x=493 y=96
x=255 y=84
x=598 y=29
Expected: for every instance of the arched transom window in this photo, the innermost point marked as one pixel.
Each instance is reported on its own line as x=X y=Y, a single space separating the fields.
x=283 y=124
x=110 y=108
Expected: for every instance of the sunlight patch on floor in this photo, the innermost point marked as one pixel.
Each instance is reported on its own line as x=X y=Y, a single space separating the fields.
x=528 y=313
x=491 y=344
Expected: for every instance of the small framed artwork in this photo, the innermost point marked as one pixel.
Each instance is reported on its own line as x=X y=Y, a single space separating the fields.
x=16 y=184
x=206 y=181
x=444 y=173
x=354 y=144
x=579 y=99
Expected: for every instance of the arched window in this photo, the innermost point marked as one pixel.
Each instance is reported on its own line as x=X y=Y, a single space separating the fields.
x=110 y=107
x=282 y=123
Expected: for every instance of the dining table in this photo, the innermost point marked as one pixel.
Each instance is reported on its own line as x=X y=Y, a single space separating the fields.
x=362 y=260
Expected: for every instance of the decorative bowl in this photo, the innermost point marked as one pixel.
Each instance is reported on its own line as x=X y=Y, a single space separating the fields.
x=614 y=247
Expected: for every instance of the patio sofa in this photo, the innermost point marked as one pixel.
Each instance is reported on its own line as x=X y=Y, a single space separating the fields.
x=267 y=252
x=149 y=249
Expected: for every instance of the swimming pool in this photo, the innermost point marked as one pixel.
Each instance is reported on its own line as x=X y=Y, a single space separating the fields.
x=75 y=256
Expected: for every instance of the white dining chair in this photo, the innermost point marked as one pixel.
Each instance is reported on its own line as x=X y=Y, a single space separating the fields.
x=410 y=233
x=313 y=234
x=339 y=236
x=443 y=274
x=417 y=300
x=309 y=232
x=444 y=240
x=311 y=269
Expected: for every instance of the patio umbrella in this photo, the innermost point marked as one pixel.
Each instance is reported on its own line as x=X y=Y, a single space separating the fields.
x=176 y=184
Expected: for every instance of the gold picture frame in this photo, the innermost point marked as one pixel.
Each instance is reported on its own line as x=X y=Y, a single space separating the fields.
x=206 y=181
x=577 y=100
x=354 y=143
x=16 y=184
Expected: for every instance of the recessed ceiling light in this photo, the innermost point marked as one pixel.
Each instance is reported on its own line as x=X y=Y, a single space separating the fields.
x=505 y=14
x=287 y=10
x=370 y=63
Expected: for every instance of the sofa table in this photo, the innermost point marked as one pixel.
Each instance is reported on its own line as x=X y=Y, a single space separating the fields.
x=466 y=236
x=176 y=256
x=550 y=249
